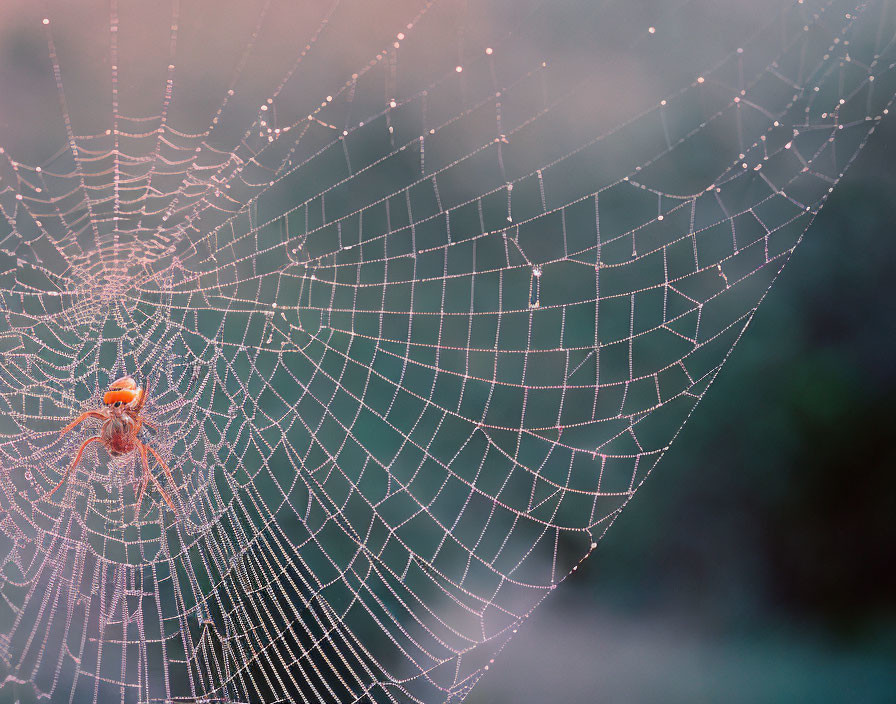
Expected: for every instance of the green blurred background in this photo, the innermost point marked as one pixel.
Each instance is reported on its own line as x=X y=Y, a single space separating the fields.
x=758 y=563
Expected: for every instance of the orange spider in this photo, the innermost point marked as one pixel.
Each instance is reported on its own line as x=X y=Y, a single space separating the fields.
x=121 y=424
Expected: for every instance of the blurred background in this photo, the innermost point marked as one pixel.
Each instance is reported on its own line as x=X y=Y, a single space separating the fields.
x=758 y=562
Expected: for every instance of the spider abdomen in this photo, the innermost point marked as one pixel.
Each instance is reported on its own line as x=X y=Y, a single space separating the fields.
x=118 y=435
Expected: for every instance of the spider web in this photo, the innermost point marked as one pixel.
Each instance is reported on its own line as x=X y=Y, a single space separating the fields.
x=422 y=292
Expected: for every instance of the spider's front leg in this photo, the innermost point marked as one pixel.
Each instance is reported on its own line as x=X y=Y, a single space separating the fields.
x=99 y=415
x=74 y=464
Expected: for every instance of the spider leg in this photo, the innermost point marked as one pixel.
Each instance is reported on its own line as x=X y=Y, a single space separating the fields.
x=161 y=462
x=99 y=415
x=143 y=482
x=140 y=421
x=143 y=394
x=143 y=449
x=164 y=494
x=74 y=464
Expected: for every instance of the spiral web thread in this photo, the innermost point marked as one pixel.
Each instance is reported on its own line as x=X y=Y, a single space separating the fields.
x=422 y=292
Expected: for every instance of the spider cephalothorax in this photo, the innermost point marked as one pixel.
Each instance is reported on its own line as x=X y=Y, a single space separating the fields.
x=122 y=420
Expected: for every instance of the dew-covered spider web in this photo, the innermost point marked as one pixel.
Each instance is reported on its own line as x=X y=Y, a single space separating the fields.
x=421 y=291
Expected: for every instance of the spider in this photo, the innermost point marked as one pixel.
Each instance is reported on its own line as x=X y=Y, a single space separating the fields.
x=122 y=421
